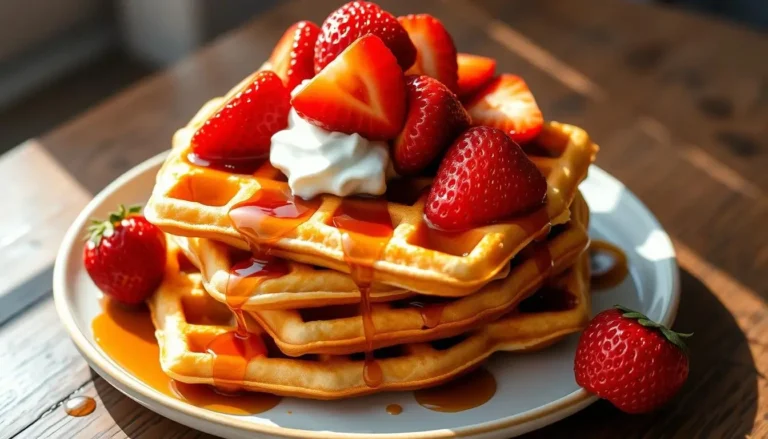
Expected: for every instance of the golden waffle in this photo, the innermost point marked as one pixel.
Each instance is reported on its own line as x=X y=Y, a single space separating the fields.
x=186 y=319
x=194 y=201
x=339 y=329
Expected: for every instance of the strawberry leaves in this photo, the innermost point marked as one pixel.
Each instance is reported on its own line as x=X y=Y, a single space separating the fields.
x=676 y=338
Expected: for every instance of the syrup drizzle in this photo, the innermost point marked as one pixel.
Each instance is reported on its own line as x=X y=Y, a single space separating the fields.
x=366 y=228
x=79 y=406
x=466 y=392
x=394 y=409
x=616 y=273
x=128 y=337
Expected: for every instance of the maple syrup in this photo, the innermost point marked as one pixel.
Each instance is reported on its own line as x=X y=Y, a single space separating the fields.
x=366 y=228
x=616 y=273
x=245 y=166
x=128 y=338
x=271 y=213
x=79 y=406
x=394 y=409
x=465 y=392
x=431 y=309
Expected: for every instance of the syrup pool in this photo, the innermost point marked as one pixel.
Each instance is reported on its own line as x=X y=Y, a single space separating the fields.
x=127 y=336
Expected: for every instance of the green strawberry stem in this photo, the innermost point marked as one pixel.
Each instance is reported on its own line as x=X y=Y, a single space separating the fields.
x=100 y=228
x=676 y=338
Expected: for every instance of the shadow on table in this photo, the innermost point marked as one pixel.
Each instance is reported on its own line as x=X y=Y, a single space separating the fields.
x=134 y=420
x=719 y=398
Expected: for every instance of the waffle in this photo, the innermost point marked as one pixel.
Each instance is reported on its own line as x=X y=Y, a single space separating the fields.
x=187 y=319
x=333 y=329
x=194 y=201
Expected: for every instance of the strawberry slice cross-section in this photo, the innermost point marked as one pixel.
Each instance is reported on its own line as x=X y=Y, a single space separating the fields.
x=506 y=103
x=361 y=91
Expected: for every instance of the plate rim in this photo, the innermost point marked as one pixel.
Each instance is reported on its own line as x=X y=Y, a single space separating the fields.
x=145 y=395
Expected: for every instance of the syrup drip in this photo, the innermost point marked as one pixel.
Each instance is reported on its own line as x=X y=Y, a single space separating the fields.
x=79 y=406
x=263 y=219
x=616 y=273
x=466 y=392
x=431 y=309
x=537 y=223
x=394 y=409
x=539 y=252
x=128 y=337
x=366 y=228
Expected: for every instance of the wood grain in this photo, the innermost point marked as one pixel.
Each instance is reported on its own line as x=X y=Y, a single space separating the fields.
x=678 y=103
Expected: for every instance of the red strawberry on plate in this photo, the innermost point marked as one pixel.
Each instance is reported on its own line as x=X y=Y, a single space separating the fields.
x=484 y=178
x=507 y=104
x=125 y=256
x=357 y=19
x=362 y=91
x=435 y=51
x=435 y=117
x=474 y=72
x=240 y=131
x=633 y=362
x=293 y=58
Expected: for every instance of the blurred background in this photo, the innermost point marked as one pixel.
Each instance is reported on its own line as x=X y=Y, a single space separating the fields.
x=59 y=57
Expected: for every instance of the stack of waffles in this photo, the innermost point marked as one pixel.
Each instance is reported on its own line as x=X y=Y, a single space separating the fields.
x=336 y=297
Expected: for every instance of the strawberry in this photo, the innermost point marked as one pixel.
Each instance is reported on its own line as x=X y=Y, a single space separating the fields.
x=474 y=72
x=434 y=118
x=125 y=255
x=240 y=131
x=435 y=51
x=361 y=91
x=293 y=58
x=357 y=19
x=636 y=364
x=507 y=104
x=484 y=177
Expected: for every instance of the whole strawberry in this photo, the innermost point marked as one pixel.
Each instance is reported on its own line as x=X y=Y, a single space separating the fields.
x=357 y=19
x=633 y=362
x=125 y=255
x=484 y=178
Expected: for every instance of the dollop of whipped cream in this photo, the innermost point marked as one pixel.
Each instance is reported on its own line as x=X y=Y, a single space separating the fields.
x=317 y=161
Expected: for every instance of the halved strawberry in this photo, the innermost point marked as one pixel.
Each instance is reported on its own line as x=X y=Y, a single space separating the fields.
x=507 y=103
x=484 y=178
x=361 y=91
x=293 y=58
x=435 y=51
x=240 y=130
x=474 y=72
x=435 y=117
x=357 y=19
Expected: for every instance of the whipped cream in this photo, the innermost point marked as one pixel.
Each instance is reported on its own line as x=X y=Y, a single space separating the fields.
x=317 y=161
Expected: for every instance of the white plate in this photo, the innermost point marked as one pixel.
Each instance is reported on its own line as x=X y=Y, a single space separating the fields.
x=534 y=390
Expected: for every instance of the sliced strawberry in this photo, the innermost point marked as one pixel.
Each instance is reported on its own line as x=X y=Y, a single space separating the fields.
x=240 y=130
x=361 y=91
x=484 y=178
x=507 y=104
x=357 y=19
x=434 y=118
x=435 y=51
x=474 y=72
x=293 y=58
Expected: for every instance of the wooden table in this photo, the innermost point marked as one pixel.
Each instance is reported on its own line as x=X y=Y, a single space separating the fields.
x=678 y=102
